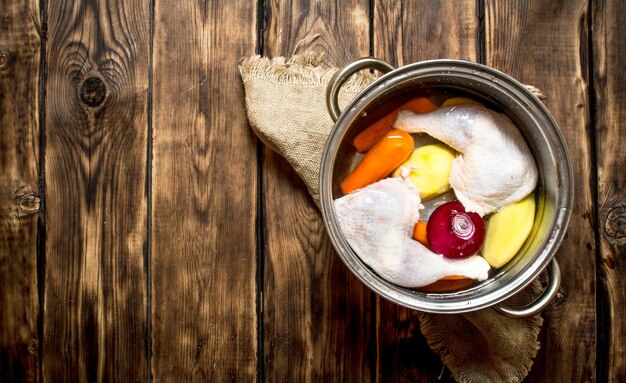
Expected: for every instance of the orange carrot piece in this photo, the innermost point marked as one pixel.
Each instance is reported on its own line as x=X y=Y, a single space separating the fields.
x=452 y=278
x=419 y=233
x=365 y=140
x=389 y=153
x=443 y=285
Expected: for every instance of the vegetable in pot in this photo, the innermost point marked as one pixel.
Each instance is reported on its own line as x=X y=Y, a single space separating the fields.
x=507 y=230
x=380 y=161
x=365 y=140
x=428 y=168
x=455 y=233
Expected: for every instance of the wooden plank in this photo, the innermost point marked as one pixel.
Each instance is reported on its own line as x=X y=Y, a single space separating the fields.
x=204 y=195
x=551 y=37
x=609 y=54
x=411 y=31
x=407 y=32
x=19 y=190
x=316 y=314
x=96 y=202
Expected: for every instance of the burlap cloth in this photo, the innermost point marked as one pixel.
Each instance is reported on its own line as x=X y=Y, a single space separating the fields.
x=286 y=106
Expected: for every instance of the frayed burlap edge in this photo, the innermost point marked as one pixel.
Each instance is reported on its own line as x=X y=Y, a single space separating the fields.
x=536 y=92
x=304 y=69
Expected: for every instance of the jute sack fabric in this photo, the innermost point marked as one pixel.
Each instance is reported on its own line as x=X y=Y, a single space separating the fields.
x=286 y=108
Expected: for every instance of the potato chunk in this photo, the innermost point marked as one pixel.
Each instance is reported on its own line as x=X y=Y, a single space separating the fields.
x=428 y=168
x=507 y=230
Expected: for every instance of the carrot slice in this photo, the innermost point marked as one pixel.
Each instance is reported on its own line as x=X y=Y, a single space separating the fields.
x=389 y=153
x=365 y=140
x=419 y=233
x=452 y=278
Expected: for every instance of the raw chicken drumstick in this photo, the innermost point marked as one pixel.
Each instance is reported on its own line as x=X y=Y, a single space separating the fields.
x=495 y=167
x=378 y=221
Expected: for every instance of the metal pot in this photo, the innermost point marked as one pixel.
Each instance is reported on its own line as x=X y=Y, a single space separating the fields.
x=554 y=191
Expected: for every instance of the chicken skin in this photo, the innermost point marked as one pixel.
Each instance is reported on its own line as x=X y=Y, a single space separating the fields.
x=377 y=221
x=495 y=167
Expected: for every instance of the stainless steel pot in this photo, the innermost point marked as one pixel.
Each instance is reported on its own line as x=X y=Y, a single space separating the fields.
x=554 y=192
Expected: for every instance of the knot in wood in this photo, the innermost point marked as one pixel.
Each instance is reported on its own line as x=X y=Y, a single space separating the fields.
x=32 y=346
x=6 y=59
x=615 y=223
x=93 y=91
x=29 y=203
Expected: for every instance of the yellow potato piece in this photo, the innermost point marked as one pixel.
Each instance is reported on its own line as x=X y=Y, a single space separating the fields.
x=459 y=101
x=429 y=167
x=507 y=230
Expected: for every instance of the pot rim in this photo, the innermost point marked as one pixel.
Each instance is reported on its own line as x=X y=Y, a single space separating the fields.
x=484 y=78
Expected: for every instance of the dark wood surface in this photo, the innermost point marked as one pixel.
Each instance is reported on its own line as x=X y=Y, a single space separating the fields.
x=146 y=234
x=609 y=98
x=96 y=127
x=202 y=253
x=20 y=194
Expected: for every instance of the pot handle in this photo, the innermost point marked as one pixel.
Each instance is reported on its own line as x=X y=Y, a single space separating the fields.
x=540 y=303
x=340 y=77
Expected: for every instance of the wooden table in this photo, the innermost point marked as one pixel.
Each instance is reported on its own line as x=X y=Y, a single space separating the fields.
x=145 y=233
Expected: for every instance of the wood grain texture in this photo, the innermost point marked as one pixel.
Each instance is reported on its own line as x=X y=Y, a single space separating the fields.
x=609 y=54
x=96 y=202
x=409 y=31
x=317 y=315
x=19 y=190
x=404 y=33
x=545 y=44
x=204 y=195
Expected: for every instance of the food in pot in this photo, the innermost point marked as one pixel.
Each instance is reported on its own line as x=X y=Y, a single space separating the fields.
x=460 y=101
x=495 y=167
x=453 y=232
x=378 y=220
x=392 y=150
x=366 y=139
x=428 y=168
x=445 y=285
x=419 y=233
x=507 y=229
x=492 y=172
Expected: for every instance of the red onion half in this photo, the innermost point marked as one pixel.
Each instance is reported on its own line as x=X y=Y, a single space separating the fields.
x=453 y=232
